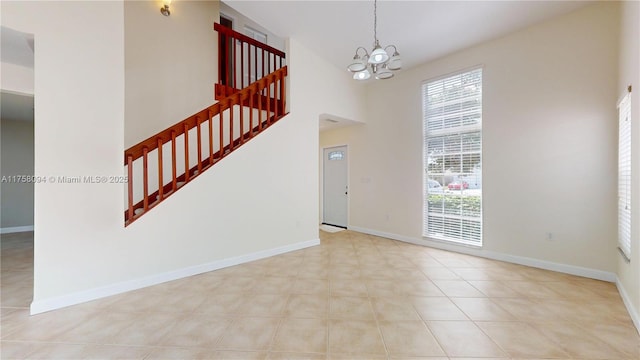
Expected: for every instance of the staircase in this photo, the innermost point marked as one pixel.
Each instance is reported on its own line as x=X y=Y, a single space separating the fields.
x=251 y=97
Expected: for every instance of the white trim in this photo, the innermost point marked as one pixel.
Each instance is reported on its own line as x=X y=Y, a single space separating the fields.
x=633 y=312
x=16 y=229
x=515 y=259
x=45 y=305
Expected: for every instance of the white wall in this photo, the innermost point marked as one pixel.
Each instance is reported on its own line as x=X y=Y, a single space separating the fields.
x=171 y=64
x=629 y=74
x=549 y=144
x=17 y=159
x=82 y=250
x=16 y=78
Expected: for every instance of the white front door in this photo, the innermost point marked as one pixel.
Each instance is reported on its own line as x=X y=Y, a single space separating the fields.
x=336 y=189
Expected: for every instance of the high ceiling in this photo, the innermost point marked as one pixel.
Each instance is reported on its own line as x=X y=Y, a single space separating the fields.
x=422 y=30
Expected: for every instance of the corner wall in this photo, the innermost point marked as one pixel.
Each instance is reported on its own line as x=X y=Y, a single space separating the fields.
x=549 y=145
x=82 y=249
x=629 y=74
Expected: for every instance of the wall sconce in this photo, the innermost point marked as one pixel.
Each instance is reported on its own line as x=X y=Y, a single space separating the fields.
x=165 y=9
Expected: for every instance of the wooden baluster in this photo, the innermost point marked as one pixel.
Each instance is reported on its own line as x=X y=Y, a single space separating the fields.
x=199 y=132
x=235 y=63
x=275 y=97
x=249 y=63
x=269 y=101
x=174 y=160
x=242 y=65
x=227 y=58
x=160 y=180
x=259 y=111
x=231 y=126
x=264 y=64
x=145 y=179
x=269 y=62
x=255 y=55
x=221 y=55
x=251 y=113
x=210 y=138
x=283 y=96
x=130 y=185
x=241 y=119
x=186 y=153
x=221 y=132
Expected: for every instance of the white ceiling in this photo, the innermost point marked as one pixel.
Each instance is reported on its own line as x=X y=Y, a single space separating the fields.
x=422 y=30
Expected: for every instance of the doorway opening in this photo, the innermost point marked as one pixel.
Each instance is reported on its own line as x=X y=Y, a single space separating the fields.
x=335 y=186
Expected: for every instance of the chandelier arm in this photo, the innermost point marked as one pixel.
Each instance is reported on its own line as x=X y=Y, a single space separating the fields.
x=366 y=53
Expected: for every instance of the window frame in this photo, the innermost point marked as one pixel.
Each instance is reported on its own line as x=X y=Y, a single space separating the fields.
x=461 y=131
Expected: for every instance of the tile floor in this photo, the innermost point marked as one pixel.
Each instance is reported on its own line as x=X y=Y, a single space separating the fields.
x=353 y=297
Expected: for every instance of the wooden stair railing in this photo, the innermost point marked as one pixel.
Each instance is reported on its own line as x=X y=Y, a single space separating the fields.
x=246 y=60
x=162 y=164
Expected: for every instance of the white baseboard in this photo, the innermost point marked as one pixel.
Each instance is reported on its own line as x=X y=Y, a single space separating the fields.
x=476 y=251
x=633 y=312
x=45 y=305
x=15 y=229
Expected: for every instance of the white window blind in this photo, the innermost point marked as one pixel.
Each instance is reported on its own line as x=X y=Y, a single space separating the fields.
x=452 y=114
x=624 y=176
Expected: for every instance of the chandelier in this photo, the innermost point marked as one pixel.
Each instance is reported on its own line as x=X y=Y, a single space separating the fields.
x=378 y=63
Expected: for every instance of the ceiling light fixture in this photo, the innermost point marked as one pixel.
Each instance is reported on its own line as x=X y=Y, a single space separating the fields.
x=378 y=63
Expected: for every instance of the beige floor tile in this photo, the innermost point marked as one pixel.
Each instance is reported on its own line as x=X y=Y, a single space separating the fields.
x=345 y=287
x=294 y=356
x=437 y=308
x=624 y=338
x=533 y=289
x=524 y=309
x=409 y=338
x=578 y=343
x=146 y=330
x=383 y=288
x=495 y=289
x=99 y=329
x=176 y=353
x=439 y=273
x=57 y=351
x=115 y=352
x=457 y=288
x=239 y=355
x=17 y=349
x=301 y=335
x=221 y=304
x=355 y=336
x=307 y=306
x=196 y=331
x=286 y=305
x=520 y=339
x=273 y=285
x=250 y=333
x=348 y=307
x=482 y=309
x=394 y=309
x=318 y=287
x=46 y=327
x=263 y=305
x=464 y=338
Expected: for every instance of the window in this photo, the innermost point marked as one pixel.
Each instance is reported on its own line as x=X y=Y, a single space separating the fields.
x=336 y=155
x=624 y=176
x=452 y=114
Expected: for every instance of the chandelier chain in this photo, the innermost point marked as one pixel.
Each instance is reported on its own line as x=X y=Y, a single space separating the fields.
x=375 y=22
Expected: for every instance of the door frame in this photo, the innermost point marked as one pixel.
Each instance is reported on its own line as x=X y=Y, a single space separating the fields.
x=322 y=159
